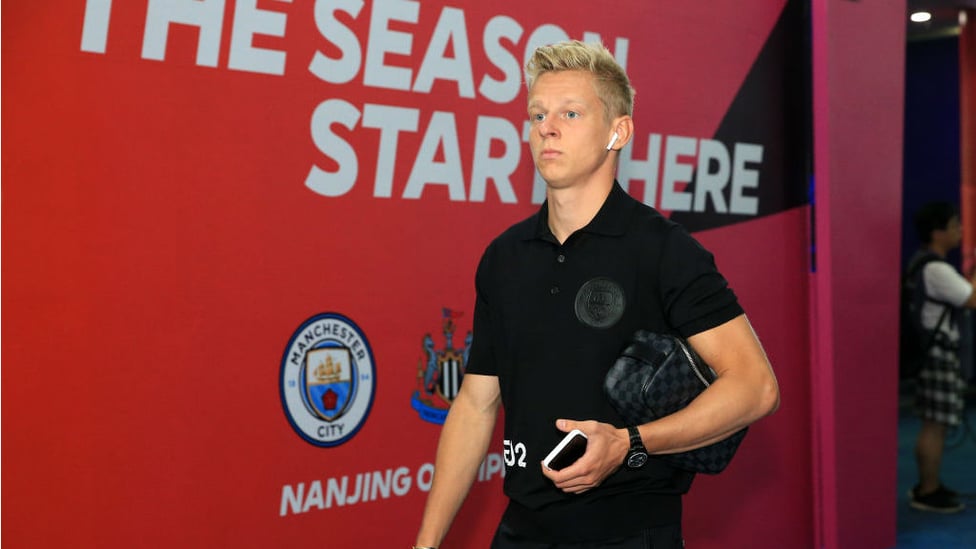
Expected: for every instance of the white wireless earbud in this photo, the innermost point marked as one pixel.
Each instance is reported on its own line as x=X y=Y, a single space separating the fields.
x=612 y=141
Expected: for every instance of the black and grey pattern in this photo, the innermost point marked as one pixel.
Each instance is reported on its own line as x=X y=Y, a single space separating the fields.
x=940 y=388
x=653 y=378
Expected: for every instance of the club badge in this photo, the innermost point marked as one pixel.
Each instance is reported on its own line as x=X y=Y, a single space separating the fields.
x=440 y=372
x=327 y=380
x=600 y=303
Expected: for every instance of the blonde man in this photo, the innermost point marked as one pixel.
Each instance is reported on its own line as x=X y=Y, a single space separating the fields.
x=558 y=297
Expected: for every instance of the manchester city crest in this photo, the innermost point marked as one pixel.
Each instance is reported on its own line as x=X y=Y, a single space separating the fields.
x=327 y=379
x=440 y=372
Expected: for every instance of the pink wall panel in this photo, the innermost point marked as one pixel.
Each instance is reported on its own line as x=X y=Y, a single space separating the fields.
x=858 y=98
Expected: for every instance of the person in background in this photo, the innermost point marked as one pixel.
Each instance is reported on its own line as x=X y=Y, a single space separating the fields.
x=940 y=385
x=558 y=296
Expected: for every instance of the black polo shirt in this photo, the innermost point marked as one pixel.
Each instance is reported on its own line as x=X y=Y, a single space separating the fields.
x=551 y=319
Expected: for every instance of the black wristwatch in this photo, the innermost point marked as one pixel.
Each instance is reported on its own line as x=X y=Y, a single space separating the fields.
x=637 y=455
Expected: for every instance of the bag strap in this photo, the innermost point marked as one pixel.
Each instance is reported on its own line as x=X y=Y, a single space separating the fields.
x=914 y=273
x=930 y=340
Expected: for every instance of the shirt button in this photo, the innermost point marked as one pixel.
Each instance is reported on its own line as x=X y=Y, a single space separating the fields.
x=554 y=290
x=561 y=258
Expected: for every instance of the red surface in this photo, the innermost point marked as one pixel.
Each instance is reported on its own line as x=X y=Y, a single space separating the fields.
x=160 y=247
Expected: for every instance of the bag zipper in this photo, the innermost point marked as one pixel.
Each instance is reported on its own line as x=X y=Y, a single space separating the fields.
x=694 y=365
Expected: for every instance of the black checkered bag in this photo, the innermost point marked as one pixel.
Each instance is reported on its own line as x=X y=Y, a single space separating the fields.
x=657 y=375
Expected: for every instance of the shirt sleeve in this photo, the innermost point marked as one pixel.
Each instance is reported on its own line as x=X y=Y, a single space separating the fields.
x=481 y=359
x=695 y=295
x=944 y=283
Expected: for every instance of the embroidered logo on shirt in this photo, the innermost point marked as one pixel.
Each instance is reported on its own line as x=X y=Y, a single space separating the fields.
x=600 y=303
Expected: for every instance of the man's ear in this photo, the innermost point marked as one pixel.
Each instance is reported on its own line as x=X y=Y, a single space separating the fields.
x=623 y=128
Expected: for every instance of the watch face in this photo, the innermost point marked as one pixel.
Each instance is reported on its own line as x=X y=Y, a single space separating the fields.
x=636 y=459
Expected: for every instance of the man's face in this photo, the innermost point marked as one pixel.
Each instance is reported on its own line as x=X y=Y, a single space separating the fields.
x=951 y=236
x=570 y=131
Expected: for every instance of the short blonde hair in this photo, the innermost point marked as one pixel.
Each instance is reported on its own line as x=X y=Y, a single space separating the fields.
x=612 y=84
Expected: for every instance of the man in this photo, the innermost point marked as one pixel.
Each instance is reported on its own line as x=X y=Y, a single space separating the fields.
x=558 y=297
x=939 y=392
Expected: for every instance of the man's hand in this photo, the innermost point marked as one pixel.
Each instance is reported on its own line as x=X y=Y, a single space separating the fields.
x=606 y=448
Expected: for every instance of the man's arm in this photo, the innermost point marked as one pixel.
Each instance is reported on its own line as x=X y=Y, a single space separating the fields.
x=462 y=447
x=943 y=283
x=745 y=391
x=971 y=302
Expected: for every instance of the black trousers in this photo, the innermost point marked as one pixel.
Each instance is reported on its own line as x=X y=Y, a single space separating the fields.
x=662 y=537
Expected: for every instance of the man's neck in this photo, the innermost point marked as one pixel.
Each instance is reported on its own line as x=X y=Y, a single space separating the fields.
x=937 y=249
x=572 y=208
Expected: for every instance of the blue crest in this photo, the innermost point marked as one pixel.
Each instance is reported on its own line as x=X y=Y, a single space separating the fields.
x=440 y=373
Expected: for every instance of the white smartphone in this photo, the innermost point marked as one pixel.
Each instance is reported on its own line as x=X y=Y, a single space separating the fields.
x=569 y=449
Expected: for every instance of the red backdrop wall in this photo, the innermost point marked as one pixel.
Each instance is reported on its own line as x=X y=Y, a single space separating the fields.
x=199 y=192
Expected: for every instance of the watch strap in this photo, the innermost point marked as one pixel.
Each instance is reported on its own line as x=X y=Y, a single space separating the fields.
x=636 y=443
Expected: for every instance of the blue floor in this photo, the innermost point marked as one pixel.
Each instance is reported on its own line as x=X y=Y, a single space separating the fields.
x=918 y=529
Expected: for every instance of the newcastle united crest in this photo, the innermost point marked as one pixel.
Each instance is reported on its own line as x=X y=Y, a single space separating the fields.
x=440 y=372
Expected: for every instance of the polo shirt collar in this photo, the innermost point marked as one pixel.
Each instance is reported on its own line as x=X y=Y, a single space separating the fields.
x=610 y=220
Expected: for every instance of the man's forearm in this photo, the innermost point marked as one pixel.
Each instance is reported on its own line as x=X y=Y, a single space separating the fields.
x=745 y=391
x=463 y=444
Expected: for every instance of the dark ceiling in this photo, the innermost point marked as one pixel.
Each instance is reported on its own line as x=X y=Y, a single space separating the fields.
x=945 y=17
